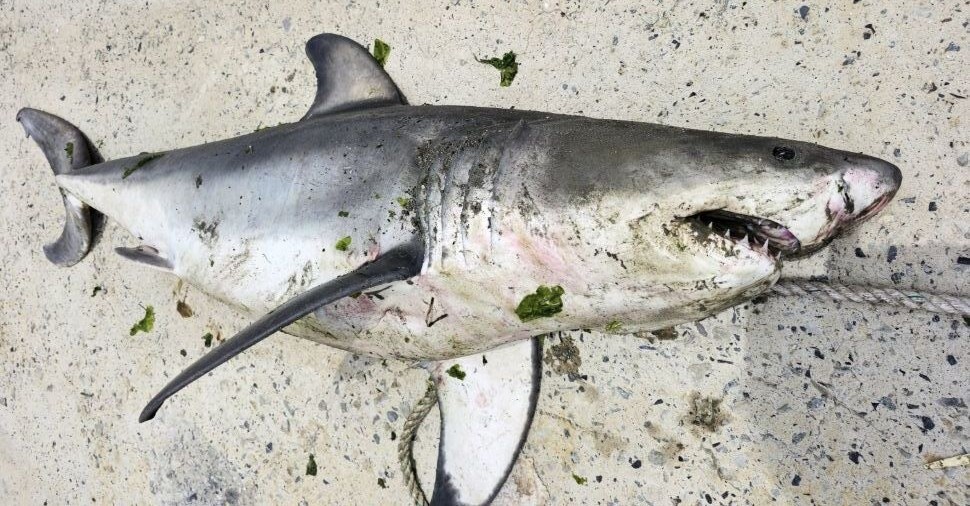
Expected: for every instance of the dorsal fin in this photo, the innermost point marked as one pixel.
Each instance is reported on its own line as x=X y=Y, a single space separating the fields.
x=348 y=77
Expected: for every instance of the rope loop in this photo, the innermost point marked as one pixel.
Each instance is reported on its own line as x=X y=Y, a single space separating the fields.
x=405 y=448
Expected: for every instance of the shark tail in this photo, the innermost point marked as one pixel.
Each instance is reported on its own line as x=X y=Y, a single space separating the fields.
x=67 y=150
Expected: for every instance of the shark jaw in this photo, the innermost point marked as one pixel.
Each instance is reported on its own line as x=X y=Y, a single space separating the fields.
x=761 y=235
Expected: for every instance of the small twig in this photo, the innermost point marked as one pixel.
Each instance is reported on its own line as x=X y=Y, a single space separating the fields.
x=427 y=317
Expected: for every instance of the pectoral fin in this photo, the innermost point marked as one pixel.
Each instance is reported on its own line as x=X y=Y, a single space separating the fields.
x=486 y=403
x=395 y=265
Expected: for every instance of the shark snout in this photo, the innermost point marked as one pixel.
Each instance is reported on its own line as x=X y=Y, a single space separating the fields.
x=869 y=185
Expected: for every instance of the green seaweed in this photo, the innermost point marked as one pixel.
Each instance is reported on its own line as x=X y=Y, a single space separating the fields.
x=343 y=214
x=146 y=324
x=69 y=149
x=143 y=161
x=207 y=339
x=404 y=202
x=546 y=301
x=311 y=466
x=579 y=479
x=456 y=372
x=614 y=326
x=381 y=51
x=506 y=65
x=343 y=244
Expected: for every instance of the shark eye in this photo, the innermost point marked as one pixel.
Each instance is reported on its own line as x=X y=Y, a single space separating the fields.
x=783 y=153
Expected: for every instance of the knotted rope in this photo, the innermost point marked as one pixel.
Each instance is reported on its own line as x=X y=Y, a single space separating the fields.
x=405 y=448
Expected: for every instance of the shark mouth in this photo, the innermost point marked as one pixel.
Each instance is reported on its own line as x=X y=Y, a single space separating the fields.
x=758 y=234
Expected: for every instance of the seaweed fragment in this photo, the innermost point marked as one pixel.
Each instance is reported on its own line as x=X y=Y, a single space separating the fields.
x=146 y=324
x=143 y=161
x=546 y=301
x=381 y=51
x=456 y=372
x=343 y=244
x=311 y=466
x=506 y=65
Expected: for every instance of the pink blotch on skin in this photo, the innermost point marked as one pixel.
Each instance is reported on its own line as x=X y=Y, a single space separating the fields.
x=544 y=254
x=481 y=400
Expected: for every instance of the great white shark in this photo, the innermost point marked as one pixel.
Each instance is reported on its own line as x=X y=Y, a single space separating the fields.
x=458 y=236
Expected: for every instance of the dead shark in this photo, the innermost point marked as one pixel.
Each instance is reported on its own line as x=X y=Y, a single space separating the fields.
x=458 y=236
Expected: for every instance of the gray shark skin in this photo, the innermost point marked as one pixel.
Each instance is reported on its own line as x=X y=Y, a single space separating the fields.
x=415 y=233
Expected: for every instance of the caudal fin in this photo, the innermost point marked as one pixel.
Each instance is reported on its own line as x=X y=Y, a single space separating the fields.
x=67 y=150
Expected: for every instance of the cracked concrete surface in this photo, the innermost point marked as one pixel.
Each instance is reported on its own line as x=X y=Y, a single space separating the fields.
x=826 y=404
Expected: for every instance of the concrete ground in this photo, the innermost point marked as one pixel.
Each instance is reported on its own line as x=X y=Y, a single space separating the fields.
x=783 y=401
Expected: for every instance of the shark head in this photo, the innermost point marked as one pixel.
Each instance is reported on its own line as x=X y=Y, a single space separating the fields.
x=704 y=220
x=791 y=198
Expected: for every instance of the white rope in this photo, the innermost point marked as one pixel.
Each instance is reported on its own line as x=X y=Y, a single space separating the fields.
x=405 y=448
x=943 y=303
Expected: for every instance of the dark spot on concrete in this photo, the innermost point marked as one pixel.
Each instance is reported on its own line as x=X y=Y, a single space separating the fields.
x=803 y=12
x=796 y=480
x=952 y=402
x=950 y=359
x=891 y=254
x=184 y=310
x=854 y=457
x=932 y=206
x=859 y=253
x=667 y=334
x=705 y=412
x=564 y=358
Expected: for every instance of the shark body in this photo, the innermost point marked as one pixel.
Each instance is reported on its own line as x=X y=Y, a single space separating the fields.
x=428 y=233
